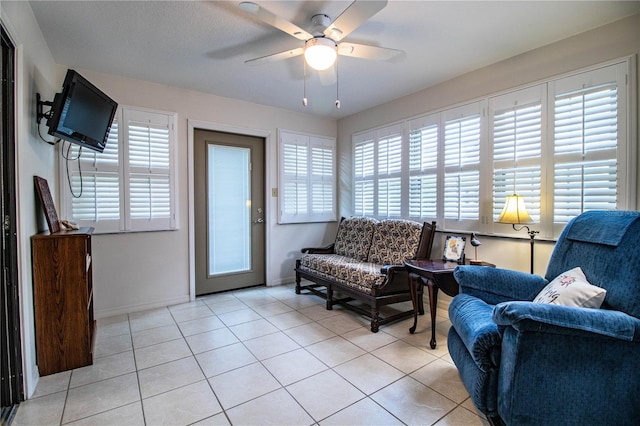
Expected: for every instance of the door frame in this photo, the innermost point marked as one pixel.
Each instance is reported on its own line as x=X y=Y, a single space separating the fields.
x=12 y=334
x=217 y=127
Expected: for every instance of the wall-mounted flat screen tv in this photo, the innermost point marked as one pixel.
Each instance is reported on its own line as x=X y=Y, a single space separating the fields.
x=82 y=113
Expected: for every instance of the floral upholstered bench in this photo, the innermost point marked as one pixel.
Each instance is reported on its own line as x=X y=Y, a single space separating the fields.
x=366 y=264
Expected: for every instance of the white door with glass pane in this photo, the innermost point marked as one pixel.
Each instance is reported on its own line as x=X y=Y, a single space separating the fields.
x=229 y=211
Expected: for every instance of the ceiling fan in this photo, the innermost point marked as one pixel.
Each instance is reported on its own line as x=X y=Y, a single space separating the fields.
x=325 y=42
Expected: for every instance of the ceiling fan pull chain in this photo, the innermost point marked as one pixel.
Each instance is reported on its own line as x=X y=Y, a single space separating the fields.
x=304 y=79
x=337 y=85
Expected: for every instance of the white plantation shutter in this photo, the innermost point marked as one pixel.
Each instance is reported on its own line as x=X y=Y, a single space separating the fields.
x=588 y=185
x=323 y=179
x=462 y=167
x=100 y=199
x=589 y=143
x=461 y=195
x=389 y=197
x=295 y=165
x=95 y=182
x=307 y=178
x=423 y=168
x=517 y=133
x=585 y=130
x=562 y=145
x=364 y=185
x=378 y=157
x=129 y=186
x=389 y=169
x=516 y=143
x=150 y=191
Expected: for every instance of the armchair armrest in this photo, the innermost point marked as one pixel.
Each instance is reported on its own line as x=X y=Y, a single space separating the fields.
x=495 y=285
x=318 y=250
x=568 y=320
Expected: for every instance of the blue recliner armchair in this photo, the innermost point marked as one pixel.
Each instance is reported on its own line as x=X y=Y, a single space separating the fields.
x=526 y=363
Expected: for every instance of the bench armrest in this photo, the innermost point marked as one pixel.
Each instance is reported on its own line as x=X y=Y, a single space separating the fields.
x=318 y=250
x=391 y=269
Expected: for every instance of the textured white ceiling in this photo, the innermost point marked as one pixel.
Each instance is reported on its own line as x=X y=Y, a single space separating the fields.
x=203 y=45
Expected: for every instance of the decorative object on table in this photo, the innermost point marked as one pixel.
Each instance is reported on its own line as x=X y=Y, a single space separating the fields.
x=475 y=242
x=44 y=195
x=515 y=213
x=454 y=249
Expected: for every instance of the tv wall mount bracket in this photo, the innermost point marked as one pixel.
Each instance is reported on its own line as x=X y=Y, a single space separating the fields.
x=40 y=104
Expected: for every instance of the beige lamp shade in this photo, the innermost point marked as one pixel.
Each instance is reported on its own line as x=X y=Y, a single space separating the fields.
x=514 y=211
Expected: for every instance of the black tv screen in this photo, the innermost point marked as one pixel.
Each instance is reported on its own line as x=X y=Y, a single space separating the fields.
x=82 y=113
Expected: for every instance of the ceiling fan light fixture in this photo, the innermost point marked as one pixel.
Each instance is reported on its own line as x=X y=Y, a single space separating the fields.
x=250 y=7
x=320 y=53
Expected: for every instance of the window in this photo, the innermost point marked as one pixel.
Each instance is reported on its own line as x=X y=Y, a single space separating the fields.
x=364 y=182
x=307 y=178
x=378 y=173
x=561 y=144
x=462 y=167
x=423 y=167
x=389 y=169
x=587 y=155
x=515 y=120
x=129 y=186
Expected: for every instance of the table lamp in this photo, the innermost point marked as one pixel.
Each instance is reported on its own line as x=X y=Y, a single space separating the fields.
x=515 y=213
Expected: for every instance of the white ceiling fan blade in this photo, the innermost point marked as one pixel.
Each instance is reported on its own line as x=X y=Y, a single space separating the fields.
x=275 y=21
x=368 y=52
x=275 y=57
x=355 y=15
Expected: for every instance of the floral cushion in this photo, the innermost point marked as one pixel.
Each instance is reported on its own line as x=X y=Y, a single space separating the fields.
x=394 y=241
x=571 y=288
x=320 y=264
x=363 y=276
x=354 y=237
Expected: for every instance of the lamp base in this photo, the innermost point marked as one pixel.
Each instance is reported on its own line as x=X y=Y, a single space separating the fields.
x=476 y=262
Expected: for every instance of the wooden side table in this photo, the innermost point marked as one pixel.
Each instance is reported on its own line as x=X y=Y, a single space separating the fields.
x=437 y=274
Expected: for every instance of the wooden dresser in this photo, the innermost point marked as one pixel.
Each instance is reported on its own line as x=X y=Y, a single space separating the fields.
x=63 y=300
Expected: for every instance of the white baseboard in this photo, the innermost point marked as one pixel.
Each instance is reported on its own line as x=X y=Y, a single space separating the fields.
x=31 y=382
x=127 y=309
x=285 y=280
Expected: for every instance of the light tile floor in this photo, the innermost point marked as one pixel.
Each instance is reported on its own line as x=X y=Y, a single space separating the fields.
x=257 y=356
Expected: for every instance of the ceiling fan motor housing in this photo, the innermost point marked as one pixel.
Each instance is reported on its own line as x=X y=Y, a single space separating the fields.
x=320 y=22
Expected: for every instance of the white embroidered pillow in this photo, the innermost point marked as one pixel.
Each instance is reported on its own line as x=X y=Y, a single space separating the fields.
x=571 y=288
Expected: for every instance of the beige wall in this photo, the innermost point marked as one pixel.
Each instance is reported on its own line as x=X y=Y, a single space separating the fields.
x=139 y=271
x=613 y=41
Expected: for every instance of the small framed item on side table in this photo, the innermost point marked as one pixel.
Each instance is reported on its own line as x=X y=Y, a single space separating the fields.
x=454 y=249
x=42 y=188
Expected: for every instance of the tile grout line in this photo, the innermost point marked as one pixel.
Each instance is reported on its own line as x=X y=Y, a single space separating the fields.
x=278 y=298
x=206 y=379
